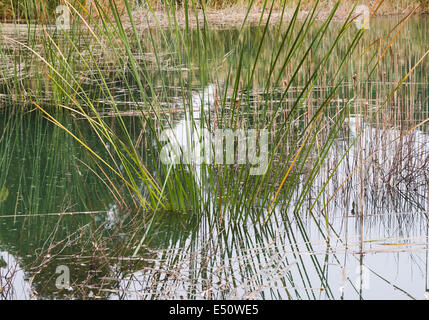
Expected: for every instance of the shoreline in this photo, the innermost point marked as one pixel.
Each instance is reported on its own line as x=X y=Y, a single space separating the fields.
x=234 y=17
x=222 y=18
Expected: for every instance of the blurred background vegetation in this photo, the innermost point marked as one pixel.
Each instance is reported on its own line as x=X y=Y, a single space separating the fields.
x=44 y=10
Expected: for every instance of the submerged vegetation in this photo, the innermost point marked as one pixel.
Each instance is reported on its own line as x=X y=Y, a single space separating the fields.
x=94 y=106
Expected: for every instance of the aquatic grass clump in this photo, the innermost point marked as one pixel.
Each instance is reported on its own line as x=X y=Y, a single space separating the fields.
x=219 y=230
x=188 y=188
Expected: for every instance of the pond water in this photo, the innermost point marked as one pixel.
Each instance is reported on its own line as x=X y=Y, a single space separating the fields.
x=358 y=231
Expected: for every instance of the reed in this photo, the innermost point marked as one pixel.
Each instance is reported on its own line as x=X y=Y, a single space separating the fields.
x=178 y=188
x=89 y=80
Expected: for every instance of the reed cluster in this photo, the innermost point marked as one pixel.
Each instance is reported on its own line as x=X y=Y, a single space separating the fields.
x=115 y=88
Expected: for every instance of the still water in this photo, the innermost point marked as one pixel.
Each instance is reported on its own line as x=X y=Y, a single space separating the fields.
x=364 y=237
